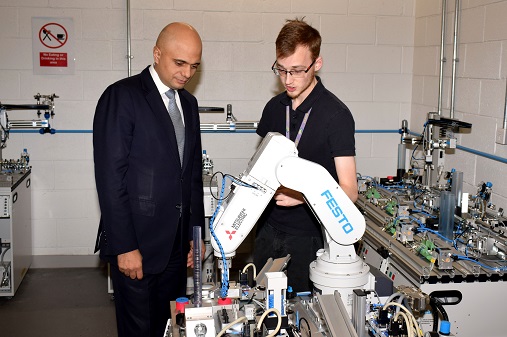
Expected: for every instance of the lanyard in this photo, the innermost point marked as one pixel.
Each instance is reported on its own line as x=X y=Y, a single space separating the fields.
x=301 y=128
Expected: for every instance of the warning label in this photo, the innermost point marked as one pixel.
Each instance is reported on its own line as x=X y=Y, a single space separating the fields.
x=53 y=59
x=53 y=46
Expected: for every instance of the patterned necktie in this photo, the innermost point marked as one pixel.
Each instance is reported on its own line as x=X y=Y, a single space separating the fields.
x=179 y=128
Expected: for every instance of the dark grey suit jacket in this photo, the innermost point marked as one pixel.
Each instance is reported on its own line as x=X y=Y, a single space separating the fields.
x=141 y=185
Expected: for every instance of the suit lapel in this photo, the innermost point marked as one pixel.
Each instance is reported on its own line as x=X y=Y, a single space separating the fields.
x=160 y=111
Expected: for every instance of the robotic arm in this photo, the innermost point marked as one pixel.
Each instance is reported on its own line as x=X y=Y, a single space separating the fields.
x=276 y=163
x=341 y=220
x=249 y=197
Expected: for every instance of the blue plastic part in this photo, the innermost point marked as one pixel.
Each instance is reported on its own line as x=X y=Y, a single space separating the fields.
x=225 y=277
x=182 y=300
x=271 y=301
x=304 y=293
x=445 y=327
x=283 y=306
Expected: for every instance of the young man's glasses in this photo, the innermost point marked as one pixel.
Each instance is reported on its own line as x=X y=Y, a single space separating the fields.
x=296 y=73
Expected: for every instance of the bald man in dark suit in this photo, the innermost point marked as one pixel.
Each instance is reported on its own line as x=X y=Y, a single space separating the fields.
x=150 y=198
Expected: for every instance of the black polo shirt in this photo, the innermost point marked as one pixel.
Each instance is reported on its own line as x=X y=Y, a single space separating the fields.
x=329 y=133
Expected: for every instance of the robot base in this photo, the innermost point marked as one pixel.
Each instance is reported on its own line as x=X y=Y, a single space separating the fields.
x=343 y=275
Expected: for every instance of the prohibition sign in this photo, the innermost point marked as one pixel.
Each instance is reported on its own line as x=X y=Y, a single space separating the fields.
x=53 y=35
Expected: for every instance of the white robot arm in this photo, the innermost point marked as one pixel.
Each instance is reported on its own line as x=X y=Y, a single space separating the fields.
x=240 y=211
x=342 y=221
x=276 y=163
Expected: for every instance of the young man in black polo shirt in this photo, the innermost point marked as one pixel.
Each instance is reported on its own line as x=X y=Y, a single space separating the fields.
x=323 y=129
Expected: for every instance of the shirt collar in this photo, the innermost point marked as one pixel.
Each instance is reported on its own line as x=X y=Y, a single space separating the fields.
x=309 y=100
x=161 y=87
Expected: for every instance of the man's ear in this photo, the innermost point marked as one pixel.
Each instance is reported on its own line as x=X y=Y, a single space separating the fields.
x=318 y=63
x=156 y=54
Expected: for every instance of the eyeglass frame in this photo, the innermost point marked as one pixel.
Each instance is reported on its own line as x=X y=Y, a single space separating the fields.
x=279 y=72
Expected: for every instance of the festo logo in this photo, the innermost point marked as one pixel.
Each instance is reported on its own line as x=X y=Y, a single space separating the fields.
x=337 y=212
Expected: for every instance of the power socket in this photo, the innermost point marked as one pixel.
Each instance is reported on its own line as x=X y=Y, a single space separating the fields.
x=501 y=136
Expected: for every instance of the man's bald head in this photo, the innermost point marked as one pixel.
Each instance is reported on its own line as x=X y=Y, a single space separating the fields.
x=177 y=54
x=178 y=31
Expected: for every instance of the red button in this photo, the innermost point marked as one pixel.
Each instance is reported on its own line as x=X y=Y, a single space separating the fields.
x=224 y=301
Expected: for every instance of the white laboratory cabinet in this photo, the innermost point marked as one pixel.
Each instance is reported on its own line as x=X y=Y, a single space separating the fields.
x=15 y=230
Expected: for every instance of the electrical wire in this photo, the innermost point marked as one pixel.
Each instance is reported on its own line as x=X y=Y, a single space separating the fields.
x=400 y=301
x=259 y=303
x=393 y=296
x=233 y=179
x=249 y=301
x=221 y=198
x=418 y=210
x=225 y=276
x=263 y=316
x=417 y=197
x=410 y=315
x=230 y=325
x=437 y=306
x=3 y=254
x=424 y=229
x=307 y=325
x=408 y=323
x=207 y=257
x=254 y=270
x=5 y=136
x=434 y=313
x=414 y=158
x=466 y=258
x=4 y=281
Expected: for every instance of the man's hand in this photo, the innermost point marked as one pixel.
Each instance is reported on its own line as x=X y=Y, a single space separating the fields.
x=131 y=264
x=286 y=197
x=190 y=255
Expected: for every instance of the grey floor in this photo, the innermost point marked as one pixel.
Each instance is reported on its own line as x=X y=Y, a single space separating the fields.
x=60 y=303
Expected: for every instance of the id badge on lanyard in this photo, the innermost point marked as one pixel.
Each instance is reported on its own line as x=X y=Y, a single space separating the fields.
x=301 y=128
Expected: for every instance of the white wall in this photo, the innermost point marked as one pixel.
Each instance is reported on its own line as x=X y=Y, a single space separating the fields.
x=368 y=56
x=480 y=84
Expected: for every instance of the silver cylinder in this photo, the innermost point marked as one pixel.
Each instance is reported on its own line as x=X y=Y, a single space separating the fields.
x=442 y=57
x=446 y=220
x=505 y=108
x=457 y=188
x=402 y=156
x=129 y=42
x=359 y=311
x=455 y=59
